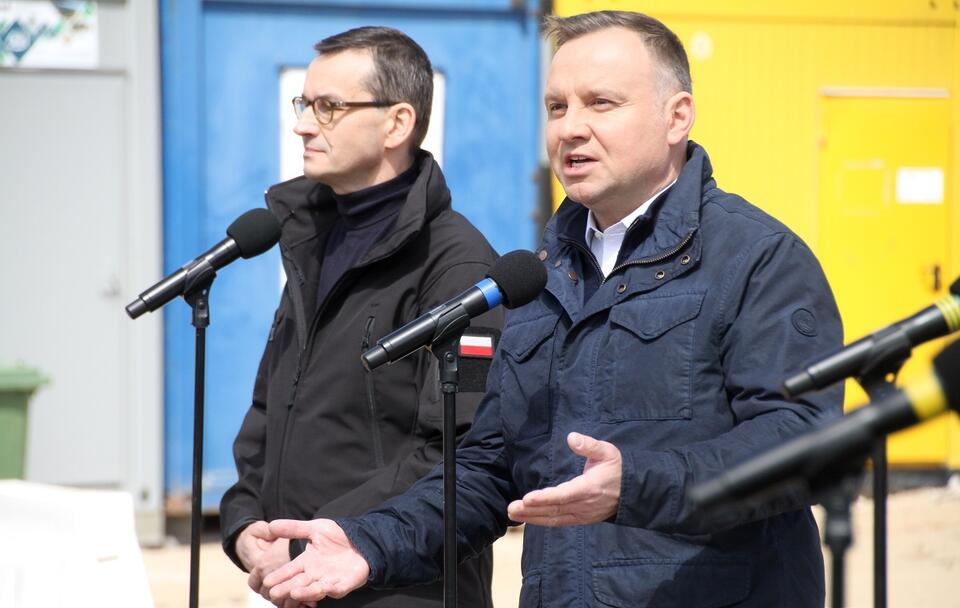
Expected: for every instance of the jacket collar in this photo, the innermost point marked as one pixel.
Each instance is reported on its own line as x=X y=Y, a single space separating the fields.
x=666 y=224
x=306 y=209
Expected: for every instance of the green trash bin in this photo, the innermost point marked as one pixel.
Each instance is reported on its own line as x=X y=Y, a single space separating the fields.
x=17 y=385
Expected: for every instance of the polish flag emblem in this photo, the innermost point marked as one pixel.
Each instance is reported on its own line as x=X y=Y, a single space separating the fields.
x=476 y=346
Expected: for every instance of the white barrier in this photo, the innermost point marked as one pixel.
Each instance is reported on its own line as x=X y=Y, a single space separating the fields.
x=69 y=547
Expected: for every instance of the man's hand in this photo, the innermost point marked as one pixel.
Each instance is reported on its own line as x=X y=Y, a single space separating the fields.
x=261 y=553
x=275 y=554
x=330 y=566
x=589 y=498
x=252 y=542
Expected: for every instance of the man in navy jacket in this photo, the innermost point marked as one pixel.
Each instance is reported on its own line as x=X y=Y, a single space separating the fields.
x=652 y=361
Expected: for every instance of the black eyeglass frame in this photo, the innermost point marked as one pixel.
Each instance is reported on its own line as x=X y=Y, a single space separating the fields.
x=300 y=104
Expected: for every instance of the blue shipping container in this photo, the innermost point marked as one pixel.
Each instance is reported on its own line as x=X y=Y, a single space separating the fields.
x=223 y=62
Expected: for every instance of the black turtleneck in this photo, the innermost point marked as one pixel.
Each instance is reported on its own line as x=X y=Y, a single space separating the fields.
x=363 y=217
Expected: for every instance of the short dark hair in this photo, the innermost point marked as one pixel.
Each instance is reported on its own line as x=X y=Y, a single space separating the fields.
x=663 y=44
x=401 y=69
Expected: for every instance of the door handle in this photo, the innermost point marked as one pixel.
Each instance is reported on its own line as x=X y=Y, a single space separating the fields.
x=112 y=288
x=937 y=280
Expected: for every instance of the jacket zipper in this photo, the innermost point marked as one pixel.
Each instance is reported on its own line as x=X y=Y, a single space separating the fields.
x=644 y=261
x=371 y=399
x=304 y=333
x=294 y=280
x=303 y=354
x=655 y=259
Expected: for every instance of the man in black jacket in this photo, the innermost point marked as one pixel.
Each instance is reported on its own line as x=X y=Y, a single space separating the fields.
x=369 y=242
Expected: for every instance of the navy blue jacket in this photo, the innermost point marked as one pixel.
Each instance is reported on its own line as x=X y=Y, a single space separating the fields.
x=677 y=359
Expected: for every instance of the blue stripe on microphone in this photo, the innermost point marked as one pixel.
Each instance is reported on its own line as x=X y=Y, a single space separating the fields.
x=491 y=292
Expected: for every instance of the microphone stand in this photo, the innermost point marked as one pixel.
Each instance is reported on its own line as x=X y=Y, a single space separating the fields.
x=877 y=387
x=838 y=529
x=448 y=358
x=877 y=377
x=878 y=382
x=197 y=294
x=879 y=373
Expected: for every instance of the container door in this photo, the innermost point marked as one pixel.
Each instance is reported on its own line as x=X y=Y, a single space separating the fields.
x=884 y=226
x=225 y=65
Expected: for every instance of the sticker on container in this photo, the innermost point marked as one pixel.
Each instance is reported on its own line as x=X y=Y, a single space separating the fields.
x=52 y=34
x=920 y=185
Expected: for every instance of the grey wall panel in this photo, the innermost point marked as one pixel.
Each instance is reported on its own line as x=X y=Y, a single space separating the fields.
x=79 y=237
x=62 y=221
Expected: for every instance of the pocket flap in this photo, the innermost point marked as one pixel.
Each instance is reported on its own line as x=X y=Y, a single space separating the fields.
x=650 y=582
x=520 y=339
x=651 y=317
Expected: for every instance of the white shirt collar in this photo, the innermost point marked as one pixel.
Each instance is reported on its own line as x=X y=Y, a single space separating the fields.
x=621 y=226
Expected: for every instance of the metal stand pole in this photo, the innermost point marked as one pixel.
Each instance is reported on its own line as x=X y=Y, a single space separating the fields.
x=879 y=457
x=449 y=361
x=878 y=385
x=838 y=530
x=198 y=298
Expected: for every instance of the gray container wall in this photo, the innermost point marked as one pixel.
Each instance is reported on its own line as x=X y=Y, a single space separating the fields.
x=80 y=224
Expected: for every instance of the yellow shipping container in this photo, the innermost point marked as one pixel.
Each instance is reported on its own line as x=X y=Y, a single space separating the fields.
x=840 y=119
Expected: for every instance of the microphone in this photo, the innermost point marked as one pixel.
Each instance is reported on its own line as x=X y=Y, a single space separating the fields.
x=809 y=455
x=249 y=235
x=885 y=346
x=513 y=280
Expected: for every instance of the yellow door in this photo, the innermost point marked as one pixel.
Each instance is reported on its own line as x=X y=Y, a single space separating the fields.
x=884 y=230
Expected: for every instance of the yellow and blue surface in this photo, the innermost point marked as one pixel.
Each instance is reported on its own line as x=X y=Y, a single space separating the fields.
x=840 y=118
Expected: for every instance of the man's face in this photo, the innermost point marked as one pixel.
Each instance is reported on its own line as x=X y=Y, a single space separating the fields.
x=348 y=154
x=607 y=123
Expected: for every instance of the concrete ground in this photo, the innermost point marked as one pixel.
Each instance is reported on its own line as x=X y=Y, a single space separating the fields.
x=923 y=566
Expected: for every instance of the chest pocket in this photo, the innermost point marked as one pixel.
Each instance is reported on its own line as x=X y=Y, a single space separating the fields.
x=649 y=358
x=526 y=364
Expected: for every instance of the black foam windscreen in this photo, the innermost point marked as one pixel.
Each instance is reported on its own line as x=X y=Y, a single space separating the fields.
x=947 y=367
x=254 y=232
x=520 y=275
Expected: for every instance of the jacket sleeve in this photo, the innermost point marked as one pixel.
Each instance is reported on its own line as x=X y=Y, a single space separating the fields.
x=240 y=505
x=402 y=540
x=776 y=313
x=392 y=480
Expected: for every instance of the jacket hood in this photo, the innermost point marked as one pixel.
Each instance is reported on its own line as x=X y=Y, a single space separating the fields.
x=677 y=214
x=306 y=208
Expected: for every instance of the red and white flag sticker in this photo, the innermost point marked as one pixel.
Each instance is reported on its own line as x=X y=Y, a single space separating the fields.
x=476 y=346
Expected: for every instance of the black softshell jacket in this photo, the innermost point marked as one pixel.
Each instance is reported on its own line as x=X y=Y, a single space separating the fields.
x=323 y=437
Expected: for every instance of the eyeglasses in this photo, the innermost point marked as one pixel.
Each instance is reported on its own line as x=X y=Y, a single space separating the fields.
x=324 y=108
